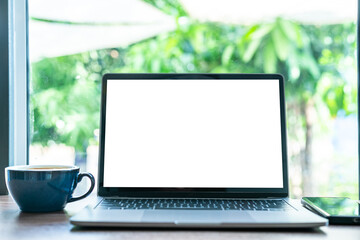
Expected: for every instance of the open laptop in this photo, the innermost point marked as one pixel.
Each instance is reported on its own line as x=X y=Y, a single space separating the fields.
x=194 y=150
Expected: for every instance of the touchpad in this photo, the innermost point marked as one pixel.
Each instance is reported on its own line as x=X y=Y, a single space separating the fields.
x=196 y=216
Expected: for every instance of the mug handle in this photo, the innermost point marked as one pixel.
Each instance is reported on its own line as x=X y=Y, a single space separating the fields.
x=79 y=178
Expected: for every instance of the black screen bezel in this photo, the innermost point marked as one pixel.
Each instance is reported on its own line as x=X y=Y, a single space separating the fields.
x=191 y=192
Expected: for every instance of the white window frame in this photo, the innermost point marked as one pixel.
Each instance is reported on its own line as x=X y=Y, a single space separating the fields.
x=18 y=82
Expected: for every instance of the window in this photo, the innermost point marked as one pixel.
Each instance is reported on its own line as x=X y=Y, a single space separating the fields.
x=312 y=43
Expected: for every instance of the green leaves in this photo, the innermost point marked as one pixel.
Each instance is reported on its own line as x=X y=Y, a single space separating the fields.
x=171 y=7
x=65 y=99
x=279 y=45
x=282 y=43
x=250 y=50
x=252 y=40
x=66 y=90
x=270 y=60
x=268 y=41
x=227 y=54
x=291 y=30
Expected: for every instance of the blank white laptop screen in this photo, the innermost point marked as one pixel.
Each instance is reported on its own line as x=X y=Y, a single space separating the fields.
x=193 y=134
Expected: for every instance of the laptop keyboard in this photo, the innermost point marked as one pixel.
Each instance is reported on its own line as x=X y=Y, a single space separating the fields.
x=196 y=204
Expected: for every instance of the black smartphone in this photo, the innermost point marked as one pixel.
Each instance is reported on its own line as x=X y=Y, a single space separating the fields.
x=339 y=210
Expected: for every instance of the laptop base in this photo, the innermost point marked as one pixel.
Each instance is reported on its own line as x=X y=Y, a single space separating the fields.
x=299 y=218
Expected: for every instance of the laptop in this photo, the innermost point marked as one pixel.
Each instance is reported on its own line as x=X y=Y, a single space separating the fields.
x=194 y=151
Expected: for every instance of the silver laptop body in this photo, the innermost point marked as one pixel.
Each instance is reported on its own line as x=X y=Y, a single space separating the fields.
x=194 y=150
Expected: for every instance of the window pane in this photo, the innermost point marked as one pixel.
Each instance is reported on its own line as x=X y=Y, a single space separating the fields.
x=312 y=43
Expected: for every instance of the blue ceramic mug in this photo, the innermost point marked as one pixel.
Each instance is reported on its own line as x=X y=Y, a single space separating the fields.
x=44 y=188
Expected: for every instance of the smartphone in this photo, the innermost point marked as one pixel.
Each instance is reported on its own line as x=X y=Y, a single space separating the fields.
x=338 y=210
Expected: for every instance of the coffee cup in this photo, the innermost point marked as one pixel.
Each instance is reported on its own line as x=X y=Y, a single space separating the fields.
x=44 y=188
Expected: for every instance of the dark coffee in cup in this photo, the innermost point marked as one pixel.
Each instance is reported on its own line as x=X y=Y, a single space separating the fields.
x=48 y=168
x=44 y=188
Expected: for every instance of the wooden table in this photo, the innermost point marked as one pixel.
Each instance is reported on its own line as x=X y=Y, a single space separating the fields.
x=17 y=225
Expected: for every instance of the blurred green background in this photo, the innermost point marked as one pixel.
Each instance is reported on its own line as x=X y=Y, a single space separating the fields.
x=317 y=61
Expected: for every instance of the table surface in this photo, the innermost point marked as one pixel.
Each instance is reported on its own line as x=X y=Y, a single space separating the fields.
x=15 y=224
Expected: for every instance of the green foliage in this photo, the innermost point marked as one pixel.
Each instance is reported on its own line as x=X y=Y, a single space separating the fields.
x=171 y=7
x=65 y=94
x=64 y=101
